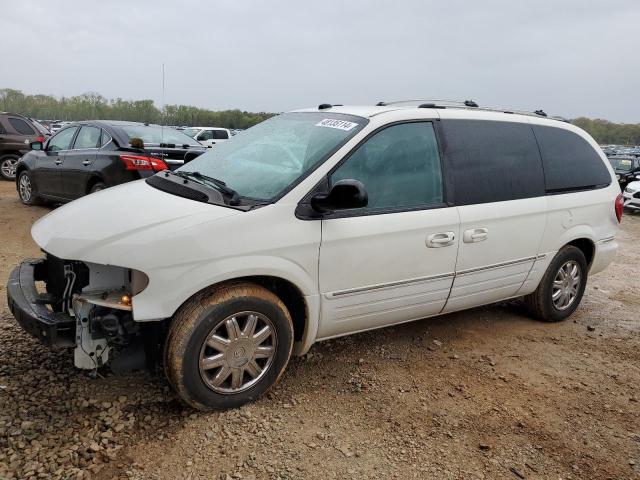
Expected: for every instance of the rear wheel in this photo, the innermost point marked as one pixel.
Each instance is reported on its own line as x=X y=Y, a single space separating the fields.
x=26 y=190
x=561 y=288
x=8 y=165
x=228 y=345
x=97 y=187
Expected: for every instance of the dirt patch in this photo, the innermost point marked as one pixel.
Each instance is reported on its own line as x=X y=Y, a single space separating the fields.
x=484 y=394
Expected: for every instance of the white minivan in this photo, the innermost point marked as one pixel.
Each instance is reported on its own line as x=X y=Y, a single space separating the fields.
x=315 y=224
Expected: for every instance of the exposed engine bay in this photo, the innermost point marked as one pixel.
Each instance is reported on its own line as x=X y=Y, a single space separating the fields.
x=97 y=300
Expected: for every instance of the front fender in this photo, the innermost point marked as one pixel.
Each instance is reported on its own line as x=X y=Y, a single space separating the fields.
x=169 y=288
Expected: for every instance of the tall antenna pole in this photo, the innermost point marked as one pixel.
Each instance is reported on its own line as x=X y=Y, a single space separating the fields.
x=164 y=110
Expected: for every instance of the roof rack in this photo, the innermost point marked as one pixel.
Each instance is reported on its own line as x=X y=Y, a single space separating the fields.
x=467 y=105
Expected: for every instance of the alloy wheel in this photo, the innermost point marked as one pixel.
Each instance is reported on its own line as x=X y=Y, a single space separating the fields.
x=238 y=352
x=24 y=188
x=8 y=167
x=566 y=285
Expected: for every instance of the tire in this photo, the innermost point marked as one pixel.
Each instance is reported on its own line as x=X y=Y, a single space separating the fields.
x=231 y=378
x=541 y=303
x=26 y=189
x=8 y=166
x=97 y=187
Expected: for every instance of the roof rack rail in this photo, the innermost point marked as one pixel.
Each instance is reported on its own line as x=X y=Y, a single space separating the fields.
x=468 y=105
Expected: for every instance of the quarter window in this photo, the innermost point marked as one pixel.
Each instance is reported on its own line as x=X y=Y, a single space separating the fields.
x=399 y=167
x=106 y=138
x=88 y=137
x=492 y=161
x=220 y=134
x=570 y=163
x=62 y=139
x=21 y=126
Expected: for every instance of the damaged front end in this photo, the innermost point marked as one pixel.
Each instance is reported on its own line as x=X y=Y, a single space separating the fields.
x=67 y=303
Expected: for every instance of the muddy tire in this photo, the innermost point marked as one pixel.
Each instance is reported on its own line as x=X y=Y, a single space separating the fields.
x=227 y=346
x=561 y=288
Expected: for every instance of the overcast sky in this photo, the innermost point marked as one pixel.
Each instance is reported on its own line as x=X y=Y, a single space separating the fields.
x=569 y=57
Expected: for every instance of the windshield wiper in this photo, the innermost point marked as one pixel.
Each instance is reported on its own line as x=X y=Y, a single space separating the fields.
x=234 y=197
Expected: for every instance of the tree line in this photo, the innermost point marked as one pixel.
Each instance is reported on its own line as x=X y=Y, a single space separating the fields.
x=92 y=106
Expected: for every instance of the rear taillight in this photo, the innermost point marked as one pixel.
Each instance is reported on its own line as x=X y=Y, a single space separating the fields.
x=140 y=162
x=40 y=139
x=619 y=207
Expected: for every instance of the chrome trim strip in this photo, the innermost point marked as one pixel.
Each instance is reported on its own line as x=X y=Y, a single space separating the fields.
x=390 y=285
x=496 y=265
x=606 y=240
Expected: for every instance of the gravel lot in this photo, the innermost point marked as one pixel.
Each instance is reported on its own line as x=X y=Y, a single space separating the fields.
x=483 y=394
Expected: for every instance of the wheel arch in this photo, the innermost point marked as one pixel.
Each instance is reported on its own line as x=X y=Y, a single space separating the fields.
x=93 y=179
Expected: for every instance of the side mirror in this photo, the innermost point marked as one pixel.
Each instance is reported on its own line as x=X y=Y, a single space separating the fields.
x=36 y=146
x=344 y=195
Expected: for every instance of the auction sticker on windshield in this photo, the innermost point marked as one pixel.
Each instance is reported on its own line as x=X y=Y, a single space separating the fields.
x=339 y=124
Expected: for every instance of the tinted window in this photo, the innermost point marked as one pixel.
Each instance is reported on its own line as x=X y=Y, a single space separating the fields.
x=220 y=134
x=21 y=126
x=62 y=139
x=2 y=130
x=88 y=137
x=570 y=162
x=399 y=167
x=492 y=161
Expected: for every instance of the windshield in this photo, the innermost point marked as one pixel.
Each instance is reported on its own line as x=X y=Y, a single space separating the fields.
x=155 y=135
x=192 y=132
x=624 y=164
x=267 y=158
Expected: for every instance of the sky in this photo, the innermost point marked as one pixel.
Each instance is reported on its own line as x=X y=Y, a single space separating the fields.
x=569 y=57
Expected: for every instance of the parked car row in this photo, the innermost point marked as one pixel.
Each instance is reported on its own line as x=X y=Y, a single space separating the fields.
x=85 y=157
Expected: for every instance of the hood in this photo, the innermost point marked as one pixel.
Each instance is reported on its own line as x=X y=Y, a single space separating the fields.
x=107 y=226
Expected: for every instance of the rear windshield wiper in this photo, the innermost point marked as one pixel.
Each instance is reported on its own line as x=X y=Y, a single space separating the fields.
x=234 y=197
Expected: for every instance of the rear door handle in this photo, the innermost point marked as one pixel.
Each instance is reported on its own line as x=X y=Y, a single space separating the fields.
x=58 y=162
x=437 y=240
x=475 y=235
x=86 y=163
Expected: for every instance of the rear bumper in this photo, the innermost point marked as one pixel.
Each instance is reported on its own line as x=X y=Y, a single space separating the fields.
x=605 y=252
x=30 y=310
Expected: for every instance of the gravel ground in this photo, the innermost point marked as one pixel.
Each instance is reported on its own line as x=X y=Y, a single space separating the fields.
x=482 y=394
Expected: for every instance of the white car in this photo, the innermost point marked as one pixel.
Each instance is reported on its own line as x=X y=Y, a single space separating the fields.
x=316 y=224
x=631 y=195
x=209 y=136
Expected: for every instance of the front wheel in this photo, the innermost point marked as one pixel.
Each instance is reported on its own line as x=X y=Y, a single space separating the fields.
x=561 y=288
x=26 y=190
x=228 y=345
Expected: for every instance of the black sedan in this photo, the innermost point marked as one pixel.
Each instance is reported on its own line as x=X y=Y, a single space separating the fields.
x=626 y=167
x=85 y=157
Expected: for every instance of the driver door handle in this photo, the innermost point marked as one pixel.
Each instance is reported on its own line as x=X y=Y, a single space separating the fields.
x=58 y=162
x=86 y=163
x=438 y=240
x=475 y=235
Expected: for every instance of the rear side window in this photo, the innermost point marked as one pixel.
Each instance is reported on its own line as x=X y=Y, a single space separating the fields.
x=88 y=137
x=106 y=138
x=21 y=126
x=492 y=161
x=570 y=162
x=398 y=166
